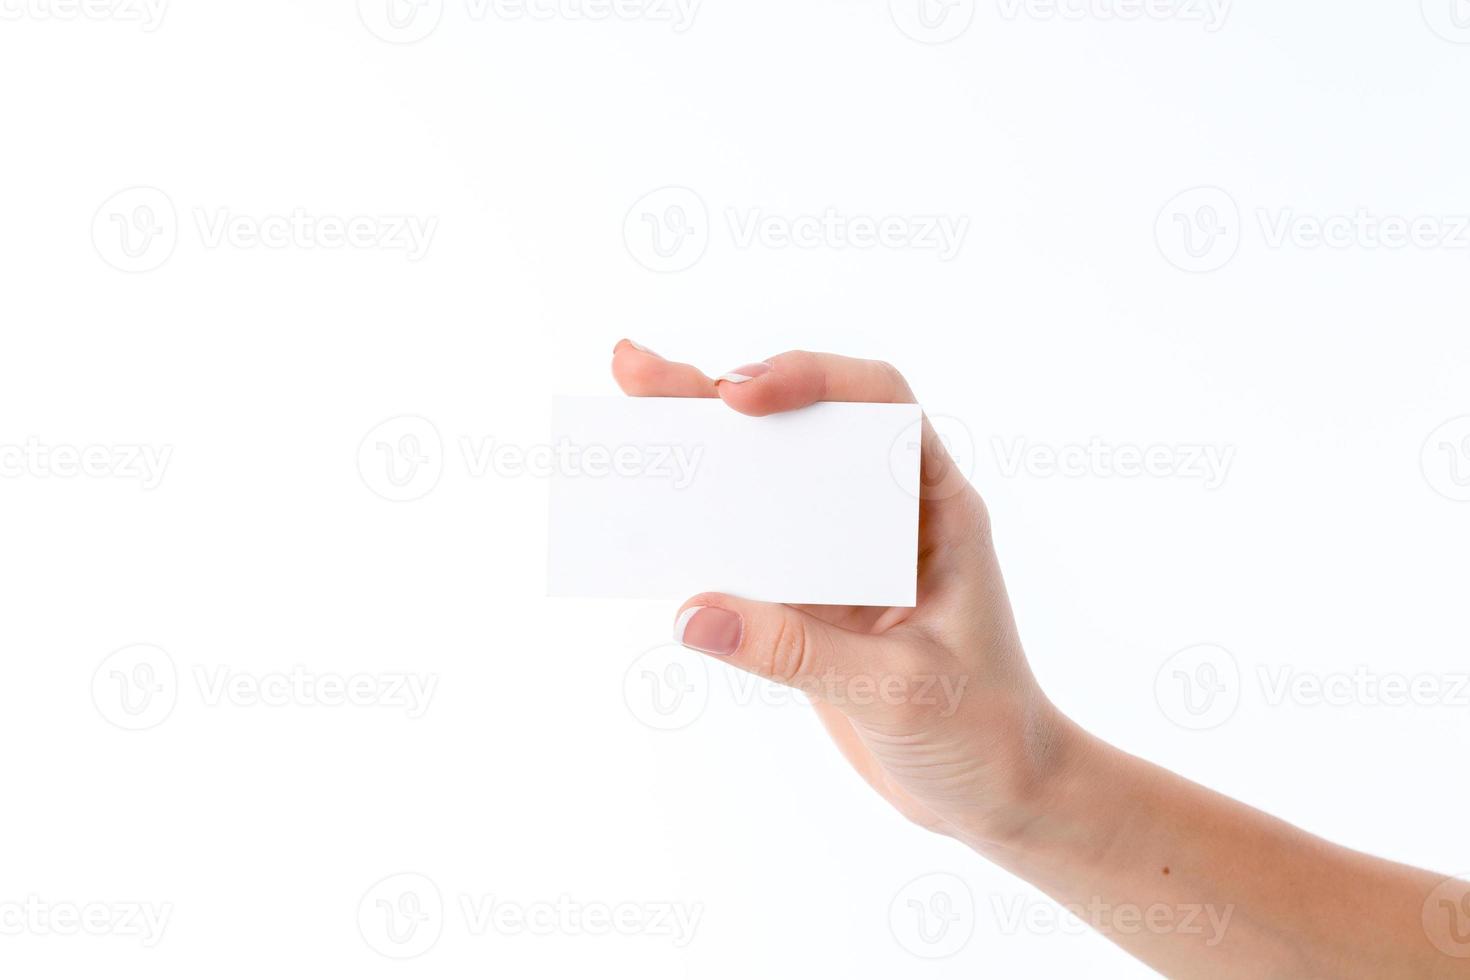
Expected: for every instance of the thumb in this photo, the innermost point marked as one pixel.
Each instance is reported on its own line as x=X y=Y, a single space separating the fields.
x=777 y=642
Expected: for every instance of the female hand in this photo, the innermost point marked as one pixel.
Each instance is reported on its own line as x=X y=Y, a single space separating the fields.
x=934 y=706
x=937 y=709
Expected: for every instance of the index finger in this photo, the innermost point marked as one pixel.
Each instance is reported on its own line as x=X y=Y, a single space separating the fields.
x=799 y=378
x=642 y=373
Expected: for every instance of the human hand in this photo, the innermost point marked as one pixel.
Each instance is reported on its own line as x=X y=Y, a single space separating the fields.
x=934 y=706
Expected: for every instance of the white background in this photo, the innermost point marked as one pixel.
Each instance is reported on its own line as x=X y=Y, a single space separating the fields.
x=1334 y=542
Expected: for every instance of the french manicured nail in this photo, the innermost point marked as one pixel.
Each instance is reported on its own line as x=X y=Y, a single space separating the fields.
x=746 y=373
x=709 y=630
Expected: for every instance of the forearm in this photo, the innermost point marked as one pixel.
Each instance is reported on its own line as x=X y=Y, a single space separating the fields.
x=1199 y=885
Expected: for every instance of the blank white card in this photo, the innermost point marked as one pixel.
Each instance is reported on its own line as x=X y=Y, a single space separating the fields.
x=662 y=498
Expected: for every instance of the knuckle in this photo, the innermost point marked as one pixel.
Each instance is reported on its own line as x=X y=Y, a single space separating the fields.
x=892 y=376
x=797 y=361
x=788 y=654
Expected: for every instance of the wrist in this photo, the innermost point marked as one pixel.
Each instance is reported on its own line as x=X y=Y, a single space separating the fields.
x=1062 y=805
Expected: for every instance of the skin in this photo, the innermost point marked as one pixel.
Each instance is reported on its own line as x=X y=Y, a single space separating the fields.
x=965 y=743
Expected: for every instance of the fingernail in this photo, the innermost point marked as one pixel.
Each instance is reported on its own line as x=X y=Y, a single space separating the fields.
x=709 y=630
x=746 y=373
x=645 y=350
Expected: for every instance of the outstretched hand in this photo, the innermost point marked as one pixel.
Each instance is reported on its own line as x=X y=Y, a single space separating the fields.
x=935 y=705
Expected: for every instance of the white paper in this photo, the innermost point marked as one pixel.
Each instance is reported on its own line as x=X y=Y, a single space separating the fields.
x=663 y=498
